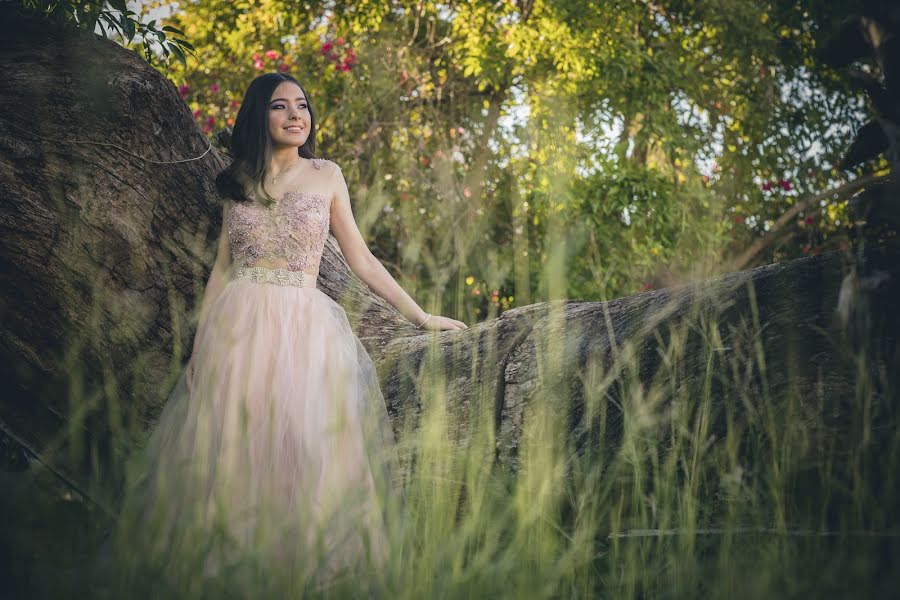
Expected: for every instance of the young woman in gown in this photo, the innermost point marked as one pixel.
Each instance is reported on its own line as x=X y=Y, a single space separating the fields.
x=274 y=452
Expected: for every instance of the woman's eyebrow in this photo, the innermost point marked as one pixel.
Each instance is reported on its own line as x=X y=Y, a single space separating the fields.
x=285 y=99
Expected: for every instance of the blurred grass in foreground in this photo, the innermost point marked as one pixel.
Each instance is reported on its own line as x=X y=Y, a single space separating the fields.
x=704 y=484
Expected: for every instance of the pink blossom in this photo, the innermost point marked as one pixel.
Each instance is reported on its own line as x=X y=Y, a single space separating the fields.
x=785 y=185
x=210 y=121
x=272 y=54
x=339 y=41
x=214 y=87
x=283 y=67
x=196 y=113
x=767 y=186
x=184 y=90
x=326 y=47
x=259 y=65
x=257 y=56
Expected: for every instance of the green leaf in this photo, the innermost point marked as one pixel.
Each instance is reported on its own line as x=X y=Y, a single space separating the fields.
x=178 y=54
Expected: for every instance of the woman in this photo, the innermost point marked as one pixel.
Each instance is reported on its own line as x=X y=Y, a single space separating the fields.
x=275 y=445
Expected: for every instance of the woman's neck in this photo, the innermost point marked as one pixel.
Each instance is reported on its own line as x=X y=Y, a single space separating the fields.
x=282 y=158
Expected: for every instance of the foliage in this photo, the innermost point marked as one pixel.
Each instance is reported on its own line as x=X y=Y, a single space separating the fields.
x=626 y=144
x=113 y=18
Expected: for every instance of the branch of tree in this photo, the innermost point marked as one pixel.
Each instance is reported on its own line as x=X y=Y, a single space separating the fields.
x=777 y=228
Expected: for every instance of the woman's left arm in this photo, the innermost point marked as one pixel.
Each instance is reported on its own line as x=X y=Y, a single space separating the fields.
x=368 y=268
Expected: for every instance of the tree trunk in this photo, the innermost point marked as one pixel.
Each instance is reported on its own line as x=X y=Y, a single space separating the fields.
x=104 y=252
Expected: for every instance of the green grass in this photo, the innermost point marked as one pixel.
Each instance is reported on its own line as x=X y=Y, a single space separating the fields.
x=697 y=482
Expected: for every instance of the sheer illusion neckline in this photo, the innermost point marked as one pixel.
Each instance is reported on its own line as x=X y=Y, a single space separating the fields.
x=298 y=193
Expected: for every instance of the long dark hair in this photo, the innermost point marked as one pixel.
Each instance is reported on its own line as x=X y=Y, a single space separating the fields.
x=250 y=144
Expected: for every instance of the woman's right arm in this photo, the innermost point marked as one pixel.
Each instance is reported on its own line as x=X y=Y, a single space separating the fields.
x=219 y=276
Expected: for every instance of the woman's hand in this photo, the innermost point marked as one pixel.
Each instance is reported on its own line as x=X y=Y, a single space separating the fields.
x=439 y=323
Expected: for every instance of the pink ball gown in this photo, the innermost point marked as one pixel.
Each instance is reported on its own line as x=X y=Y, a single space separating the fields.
x=280 y=452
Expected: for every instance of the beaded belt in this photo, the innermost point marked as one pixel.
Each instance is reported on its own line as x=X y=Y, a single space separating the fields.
x=277 y=276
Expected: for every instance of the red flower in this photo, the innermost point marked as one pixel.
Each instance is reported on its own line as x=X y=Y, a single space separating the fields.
x=260 y=65
x=785 y=185
x=272 y=54
x=646 y=286
x=214 y=87
x=809 y=219
x=283 y=67
x=767 y=186
x=184 y=90
x=210 y=121
x=326 y=47
x=196 y=113
x=339 y=41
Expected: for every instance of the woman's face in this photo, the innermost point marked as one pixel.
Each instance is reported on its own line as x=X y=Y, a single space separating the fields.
x=289 y=118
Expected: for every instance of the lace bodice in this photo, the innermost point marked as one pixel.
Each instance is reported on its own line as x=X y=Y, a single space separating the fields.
x=293 y=229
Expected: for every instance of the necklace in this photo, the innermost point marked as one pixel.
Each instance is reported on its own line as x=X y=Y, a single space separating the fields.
x=275 y=178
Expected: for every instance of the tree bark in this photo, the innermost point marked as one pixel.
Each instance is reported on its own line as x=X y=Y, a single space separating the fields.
x=103 y=253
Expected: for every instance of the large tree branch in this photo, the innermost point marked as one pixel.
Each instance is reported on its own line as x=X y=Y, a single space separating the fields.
x=744 y=259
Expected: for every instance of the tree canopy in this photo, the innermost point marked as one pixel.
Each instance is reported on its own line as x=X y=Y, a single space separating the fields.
x=505 y=152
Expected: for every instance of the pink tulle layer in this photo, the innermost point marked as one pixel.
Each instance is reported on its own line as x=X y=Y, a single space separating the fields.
x=281 y=444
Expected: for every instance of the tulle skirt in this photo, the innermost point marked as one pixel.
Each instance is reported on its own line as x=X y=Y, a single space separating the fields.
x=279 y=454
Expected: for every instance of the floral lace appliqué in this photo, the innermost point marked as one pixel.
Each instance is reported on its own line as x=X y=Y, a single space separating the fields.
x=294 y=229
